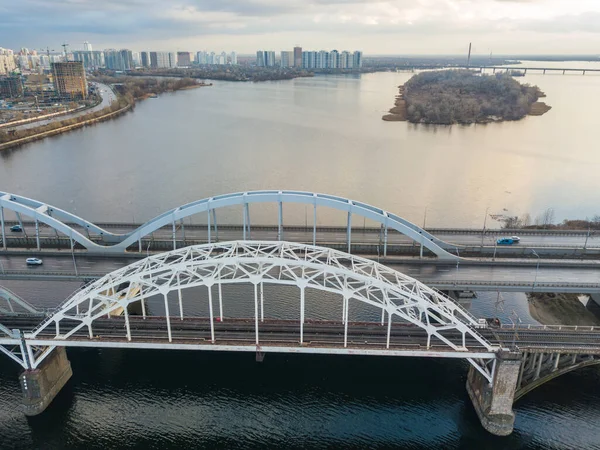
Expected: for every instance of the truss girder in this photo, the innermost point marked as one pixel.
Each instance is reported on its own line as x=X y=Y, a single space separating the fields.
x=59 y=219
x=280 y=263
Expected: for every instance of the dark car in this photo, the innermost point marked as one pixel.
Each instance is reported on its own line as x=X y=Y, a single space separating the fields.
x=16 y=228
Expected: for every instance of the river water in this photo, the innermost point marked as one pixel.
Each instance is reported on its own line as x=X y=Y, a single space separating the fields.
x=322 y=134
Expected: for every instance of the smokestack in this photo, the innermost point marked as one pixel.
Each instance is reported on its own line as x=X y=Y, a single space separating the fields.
x=469 y=57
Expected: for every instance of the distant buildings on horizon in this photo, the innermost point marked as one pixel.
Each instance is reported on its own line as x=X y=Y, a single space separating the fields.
x=27 y=60
x=311 y=59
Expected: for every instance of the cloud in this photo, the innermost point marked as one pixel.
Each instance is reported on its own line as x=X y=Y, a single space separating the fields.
x=440 y=25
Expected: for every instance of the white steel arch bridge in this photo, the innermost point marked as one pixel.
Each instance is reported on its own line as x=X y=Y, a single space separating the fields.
x=108 y=242
x=447 y=329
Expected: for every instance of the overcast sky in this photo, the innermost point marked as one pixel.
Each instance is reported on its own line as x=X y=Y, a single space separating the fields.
x=374 y=26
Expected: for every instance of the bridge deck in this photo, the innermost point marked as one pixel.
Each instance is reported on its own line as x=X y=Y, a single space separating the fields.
x=319 y=336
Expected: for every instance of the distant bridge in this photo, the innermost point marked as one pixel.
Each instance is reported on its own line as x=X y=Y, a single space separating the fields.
x=415 y=320
x=524 y=70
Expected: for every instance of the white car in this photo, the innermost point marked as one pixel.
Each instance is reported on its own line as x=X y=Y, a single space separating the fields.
x=34 y=262
x=516 y=239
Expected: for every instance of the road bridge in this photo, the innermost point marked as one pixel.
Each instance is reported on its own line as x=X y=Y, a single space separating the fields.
x=54 y=228
x=366 y=240
x=467 y=274
x=408 y=318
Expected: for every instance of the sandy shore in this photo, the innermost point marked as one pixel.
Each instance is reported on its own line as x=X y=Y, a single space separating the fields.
x=398 y=112
x=562 y=309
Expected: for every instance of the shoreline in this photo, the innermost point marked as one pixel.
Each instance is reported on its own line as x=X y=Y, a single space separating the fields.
x=65 y=129
x=86 y=120
x=562 y=309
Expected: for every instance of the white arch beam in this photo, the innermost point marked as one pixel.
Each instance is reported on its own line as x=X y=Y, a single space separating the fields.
x=58 y=218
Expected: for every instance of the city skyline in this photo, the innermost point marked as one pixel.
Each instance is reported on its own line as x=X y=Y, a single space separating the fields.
x=378 y=27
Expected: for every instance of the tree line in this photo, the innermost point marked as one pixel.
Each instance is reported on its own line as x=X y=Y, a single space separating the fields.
x=463 y=96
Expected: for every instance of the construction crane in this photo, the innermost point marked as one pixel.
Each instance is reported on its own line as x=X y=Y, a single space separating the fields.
x=65 y=46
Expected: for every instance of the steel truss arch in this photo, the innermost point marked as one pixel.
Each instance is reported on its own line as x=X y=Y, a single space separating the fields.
x=283 y=263
x=57 y=218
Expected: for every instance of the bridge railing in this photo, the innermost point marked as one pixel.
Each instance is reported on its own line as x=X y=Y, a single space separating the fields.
x=510 y=326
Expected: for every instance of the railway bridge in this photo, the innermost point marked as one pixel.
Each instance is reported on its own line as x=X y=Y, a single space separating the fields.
x=343 y=305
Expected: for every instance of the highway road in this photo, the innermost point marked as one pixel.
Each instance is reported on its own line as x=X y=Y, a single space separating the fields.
x=359 y=236
x=481 y=275
x=316 y=333
x=108 y=96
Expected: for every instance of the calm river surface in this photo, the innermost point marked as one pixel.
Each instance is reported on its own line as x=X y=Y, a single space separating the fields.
x=323 y=134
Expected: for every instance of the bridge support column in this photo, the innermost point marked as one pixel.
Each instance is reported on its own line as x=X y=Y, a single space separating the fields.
x=40 y=386
x=493 y=403
x=596 y=298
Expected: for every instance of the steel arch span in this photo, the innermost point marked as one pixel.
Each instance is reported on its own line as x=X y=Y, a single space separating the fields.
x=398 y=296
x=59 y=219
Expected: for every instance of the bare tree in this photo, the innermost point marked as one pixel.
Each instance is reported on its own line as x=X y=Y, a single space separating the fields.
x=547 y=217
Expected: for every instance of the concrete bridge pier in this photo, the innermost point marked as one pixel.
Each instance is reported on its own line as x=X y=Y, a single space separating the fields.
x=595 y=298
x=493 y=403
x=40 y=386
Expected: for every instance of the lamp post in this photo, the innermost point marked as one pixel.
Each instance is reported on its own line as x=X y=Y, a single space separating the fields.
x=537 y=267
x=73 y=255
x=586 y=238
x=484 y=222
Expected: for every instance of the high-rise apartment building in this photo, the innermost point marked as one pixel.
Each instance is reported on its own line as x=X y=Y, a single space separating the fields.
x=297 y=56
x=287 y=58
x=172 y=60
x=159 y=60
x=334 y=59
x=69 y=79
x=7 y=61
x=201 y=57
x=260 y=58
x=90 y=59
x=145 y=59
x=345 y=61
x=118 y=59
x=309 y=60
x=87 y=47
x=270 y=58
x=233 y=58
x=184 y=59
x=357 y=59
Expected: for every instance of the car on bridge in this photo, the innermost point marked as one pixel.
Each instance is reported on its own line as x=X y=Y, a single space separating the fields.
x=516 y=239
x=16 y=228
x=505 y=241
x=34 y=262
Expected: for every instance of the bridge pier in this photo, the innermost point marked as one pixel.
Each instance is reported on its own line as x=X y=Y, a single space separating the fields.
x=493 y=403
x=40 y=386
x=595 y=298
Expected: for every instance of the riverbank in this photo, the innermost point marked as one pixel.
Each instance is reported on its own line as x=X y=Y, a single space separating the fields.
x=464 y=97
x=129 y=93
x=562 y=309
x=227 y=73
x=105 y=114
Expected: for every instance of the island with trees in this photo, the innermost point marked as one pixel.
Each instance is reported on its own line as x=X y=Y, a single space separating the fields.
x=448 y=97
